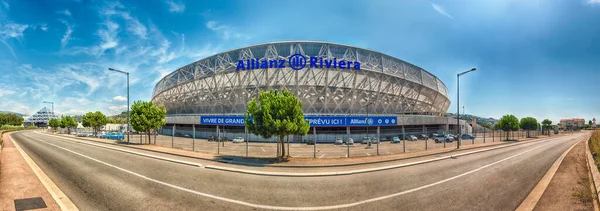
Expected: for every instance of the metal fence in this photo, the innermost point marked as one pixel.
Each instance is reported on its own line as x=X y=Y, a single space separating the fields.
x=325 y=147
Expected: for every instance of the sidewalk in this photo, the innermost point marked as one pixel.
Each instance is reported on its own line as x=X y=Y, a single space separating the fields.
x=569 y=189
x=302 y=162
x=18 y=181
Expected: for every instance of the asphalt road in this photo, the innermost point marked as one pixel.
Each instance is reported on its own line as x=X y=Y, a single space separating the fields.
x=96 y=178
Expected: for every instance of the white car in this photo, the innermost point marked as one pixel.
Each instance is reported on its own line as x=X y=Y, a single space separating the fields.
x=412 y=138
x=339 y=141
x=350 y=141
x=238 y=140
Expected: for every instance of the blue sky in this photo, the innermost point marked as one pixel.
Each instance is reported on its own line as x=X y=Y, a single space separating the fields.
x=534 y=58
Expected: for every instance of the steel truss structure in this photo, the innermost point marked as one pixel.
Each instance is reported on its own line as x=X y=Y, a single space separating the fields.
x=42 y=117
x=385 y=85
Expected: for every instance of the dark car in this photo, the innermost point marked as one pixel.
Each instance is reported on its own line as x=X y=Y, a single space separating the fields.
x=211 y=138
x=422 y=137
x=467 y=136
x=310 y=142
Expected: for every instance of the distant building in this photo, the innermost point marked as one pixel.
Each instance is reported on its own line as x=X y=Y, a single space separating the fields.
x=594 y=122
x=573 y=123
x=40 y=118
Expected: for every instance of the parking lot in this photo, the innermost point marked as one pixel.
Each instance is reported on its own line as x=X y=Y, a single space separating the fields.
x=320 y=150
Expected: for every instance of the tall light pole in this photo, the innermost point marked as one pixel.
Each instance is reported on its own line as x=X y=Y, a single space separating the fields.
x=367 y=122
x=458 y=105
x=128 y=114
x=52 y=107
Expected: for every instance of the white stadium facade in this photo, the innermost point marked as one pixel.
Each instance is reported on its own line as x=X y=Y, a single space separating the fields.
x=345 y=91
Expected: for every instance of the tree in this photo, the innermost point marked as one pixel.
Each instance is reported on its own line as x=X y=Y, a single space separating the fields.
x=528 y=123
x=147 y=116
x=276 y=113
x=590 y=122
x=54 y=123
x=508 y=123
x=487 y=125
x=11 y=119
x=94 y=120
x=68 y=122
x=547 y=124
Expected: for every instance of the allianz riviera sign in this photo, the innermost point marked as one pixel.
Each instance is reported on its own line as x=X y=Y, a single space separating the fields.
x=315 y=121
x=297 y=62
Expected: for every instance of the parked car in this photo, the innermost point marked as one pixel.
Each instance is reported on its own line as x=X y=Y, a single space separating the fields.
x=423 y=137
x=73 y=133
x=81 y=134
x=350 y=141
x=451 y=137
x=187 y=136
x=385 y=139
x=365 y=140
x=395 y=140
x=375 y=141
x=433 y=135
x=100 y=135
x=311 y=142
x=402 y=136
x=222 y=139
x=115 y=136
x=467 y=136
x=238 y=140
x=338 y=141
x=211 y=138
x=442 y=138
x=412 y=138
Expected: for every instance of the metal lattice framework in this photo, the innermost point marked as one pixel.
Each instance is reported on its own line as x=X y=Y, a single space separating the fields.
x=43 y=116
x=388 y=85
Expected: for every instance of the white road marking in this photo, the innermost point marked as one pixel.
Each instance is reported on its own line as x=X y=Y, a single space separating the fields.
x=260 y=206
x=323 y=155
x=263 y=149
x=131 y=152
x=368 y=154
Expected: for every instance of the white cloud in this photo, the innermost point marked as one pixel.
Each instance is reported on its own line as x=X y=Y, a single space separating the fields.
x=117 y=109
x=12 y=30
x=6 y=5
x=42 y=26
x=225 y=31
x=67 y=36
x=64 y=12
x=593 y=1
x=175 y=7
x=4 y=91
x=134 y=25
x=441 y=10
x=120 y=98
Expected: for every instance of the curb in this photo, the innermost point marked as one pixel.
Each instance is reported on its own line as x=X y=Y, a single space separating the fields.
x=341 y=173
x=595 y=174
x=285 y=174
x=534 y=196
x=61 y=199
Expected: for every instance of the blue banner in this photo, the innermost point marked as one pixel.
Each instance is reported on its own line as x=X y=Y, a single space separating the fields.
x=316 y=121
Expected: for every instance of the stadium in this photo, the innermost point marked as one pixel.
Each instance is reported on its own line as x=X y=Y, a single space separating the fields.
x=345 y=91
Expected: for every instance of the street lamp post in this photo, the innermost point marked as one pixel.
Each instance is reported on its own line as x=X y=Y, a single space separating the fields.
x=52 y=107
x=458 y=105
x=128 y=114
x=52 y=116
x=367 y=123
